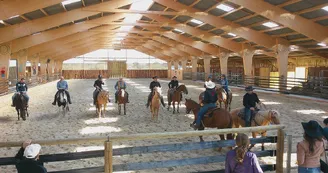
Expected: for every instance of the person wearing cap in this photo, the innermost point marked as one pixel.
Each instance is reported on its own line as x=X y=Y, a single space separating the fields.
x=152 y=85
x=174 y=83
x=98 y=85
x=120 y=84
x=224 y=83
x=311 y=148
x=210 y=98
x=27 y=159
x=62 y=86
x=21 y=86
x=209 y=78
x=249 y=101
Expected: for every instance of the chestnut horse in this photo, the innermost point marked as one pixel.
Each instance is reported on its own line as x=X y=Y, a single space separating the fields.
x=102 y=100
x=176 y=96
x=155 y=103
x=222 y=97
x=121 y=100
x=262 y=118
x=220 y=119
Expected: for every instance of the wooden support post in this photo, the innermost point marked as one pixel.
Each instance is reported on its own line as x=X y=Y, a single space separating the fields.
x=280 y=151
x=289 y=152
x=108 y=157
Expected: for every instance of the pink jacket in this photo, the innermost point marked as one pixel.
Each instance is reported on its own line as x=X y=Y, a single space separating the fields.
x=307 y=159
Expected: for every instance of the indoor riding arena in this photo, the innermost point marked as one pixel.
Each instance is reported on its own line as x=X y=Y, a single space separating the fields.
x=103 y=60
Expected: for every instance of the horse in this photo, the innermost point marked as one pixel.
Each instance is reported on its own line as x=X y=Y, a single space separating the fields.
x=262 y=118
x=222 y=97
x=62 y=101
x=176 y=96
x=121 y=99
x=102 y=100
x=220 y=119
x=21 y=106
x=155 y=103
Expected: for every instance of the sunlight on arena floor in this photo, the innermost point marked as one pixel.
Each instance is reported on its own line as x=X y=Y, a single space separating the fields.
x=271 y=103
x=94 y=147
x=310 y=111
x=101 y=120
x=108 y=108
x=99 y=129
x=235 y=95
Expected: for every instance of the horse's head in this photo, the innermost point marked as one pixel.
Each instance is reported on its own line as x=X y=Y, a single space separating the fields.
x=122 y=92
x=188 y=105
x=274 y=117
x=191 y=106
x=184 y=89
x=158 y=90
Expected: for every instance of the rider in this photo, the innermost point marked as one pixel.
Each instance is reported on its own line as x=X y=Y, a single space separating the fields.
x=98 y=85
x=152 y=85
x=224 y=83
x=210 y=98
x=173 y=85
x=120 y=84
x=249 y=101
x=62 y=86
x=21 y=87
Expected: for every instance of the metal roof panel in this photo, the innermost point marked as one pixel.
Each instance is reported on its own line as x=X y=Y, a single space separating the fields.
x=34 y=14
x=315 y=14
x=157 y=7
x=236 y=15
x=275 y=2
x=182 y=19
x=323 y=22
x=252 y=20
x=205 y=4
x=206 y=27
x=54 y=9
x=304 y=4
x=280 y=31
x=15 y=20
x=186 y=2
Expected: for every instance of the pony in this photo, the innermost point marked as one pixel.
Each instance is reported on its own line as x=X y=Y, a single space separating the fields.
x=102 y=100
x=155 y=103
x=62 y=101
x=224 y=97
x=176 y=96
x=262 y=118
x=220 y=119
x=121 y=100
x=21 y=106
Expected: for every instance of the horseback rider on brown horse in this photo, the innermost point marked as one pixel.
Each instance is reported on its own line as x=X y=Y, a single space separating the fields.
x=210 y=98
x=98 y=85
x=152 y=85
x=120 y=84
x=249 y=101
x=173 y=85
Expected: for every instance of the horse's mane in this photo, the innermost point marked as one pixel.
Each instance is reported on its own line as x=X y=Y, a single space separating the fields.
x=194 y=102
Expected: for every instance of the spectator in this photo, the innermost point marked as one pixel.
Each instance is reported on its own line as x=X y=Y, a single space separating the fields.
x=27 y=159
x=241 y=160
x=310 y=149
x=325 y=129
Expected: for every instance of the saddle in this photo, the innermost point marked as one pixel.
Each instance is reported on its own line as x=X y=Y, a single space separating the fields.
x=209 y=113
x=241 y=114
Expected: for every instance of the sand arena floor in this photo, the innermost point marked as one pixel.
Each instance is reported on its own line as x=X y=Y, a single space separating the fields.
x=46 y=123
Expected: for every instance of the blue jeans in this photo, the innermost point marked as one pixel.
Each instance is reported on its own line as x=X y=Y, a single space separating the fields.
x=308 y=170
x=203 y=111
x=25 y=96
x=247 y=118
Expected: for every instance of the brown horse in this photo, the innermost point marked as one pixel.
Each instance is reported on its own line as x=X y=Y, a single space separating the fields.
x=176 y=96
x=262 y=118
x=102 y=100
x=121 y=100
x=155 y=103
x=224 y=97
x=220 y=119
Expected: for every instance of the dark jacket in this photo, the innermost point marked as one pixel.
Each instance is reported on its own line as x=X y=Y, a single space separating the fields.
x=174 y=84
x=210 y=96
x=250 y=100
x=21 y=86
x=24 y=165
x=154 y=84
x=98 y=83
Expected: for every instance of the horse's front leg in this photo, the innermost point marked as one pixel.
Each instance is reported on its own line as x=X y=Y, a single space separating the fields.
x=104 y=111
x=263 y=135
x=18 y=114
x=178 y=106
x=124 y=109
x=173 y=104
x=254 y=136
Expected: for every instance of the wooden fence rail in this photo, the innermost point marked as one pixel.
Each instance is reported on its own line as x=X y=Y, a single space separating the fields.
x=108 y=153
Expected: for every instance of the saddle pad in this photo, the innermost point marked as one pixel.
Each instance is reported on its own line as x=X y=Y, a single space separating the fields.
x=241 y=114
x=209 y=113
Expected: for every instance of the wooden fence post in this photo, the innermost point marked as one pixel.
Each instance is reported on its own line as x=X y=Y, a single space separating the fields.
x=108 y=157
x=280 y=151
x=289 y=152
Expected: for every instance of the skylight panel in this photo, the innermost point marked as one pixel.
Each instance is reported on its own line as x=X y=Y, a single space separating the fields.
x=232 y=34
x=325 y=8
x=224 y=7
x=322 y=44
x=70 y=2
x=13 y=16
x=2 y=22
x=178 y=30
x=270 y=24
x=142 y=5
x=198 y=22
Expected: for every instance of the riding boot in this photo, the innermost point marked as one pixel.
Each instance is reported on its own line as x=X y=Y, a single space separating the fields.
x=54 y=103
x=116 y=95
x=68 y=97
x=127 y=98
x=149 y=100
x=162 y=101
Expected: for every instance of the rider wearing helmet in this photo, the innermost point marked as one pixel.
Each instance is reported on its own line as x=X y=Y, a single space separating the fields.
x=98 y=85
x=21 y=87
x=120 y=84
x=62 y=86
x=249 y=101
x=152 y=85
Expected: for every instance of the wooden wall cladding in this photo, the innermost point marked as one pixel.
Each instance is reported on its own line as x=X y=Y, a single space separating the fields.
x=146 y=73
x=3 y=86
